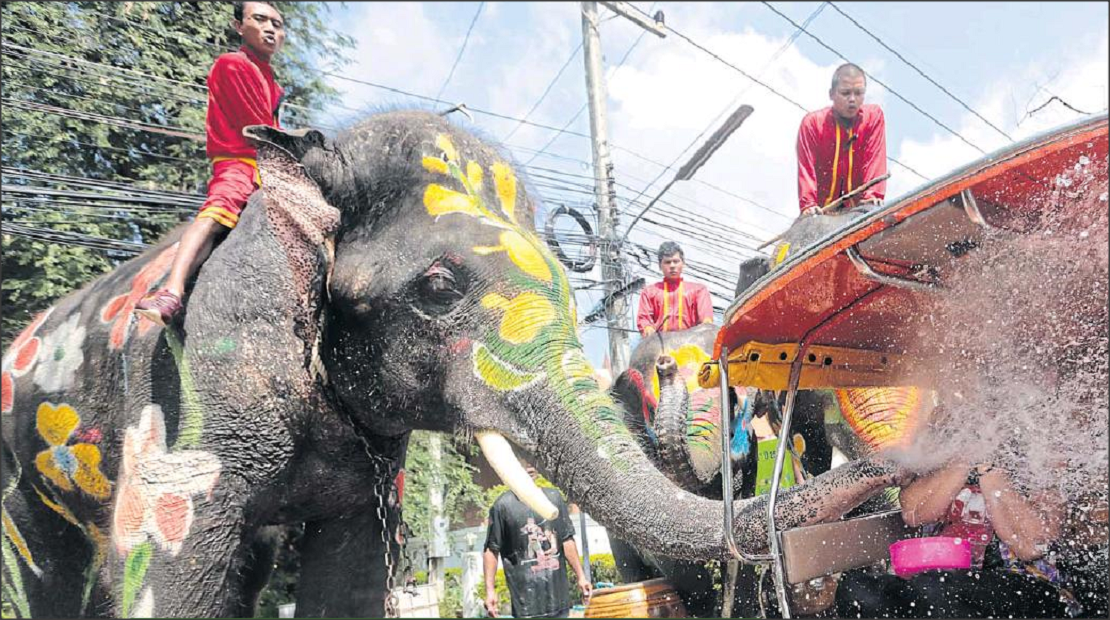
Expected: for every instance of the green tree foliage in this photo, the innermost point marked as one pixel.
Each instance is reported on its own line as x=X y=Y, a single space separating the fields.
x=114 y=93
x=461 y=492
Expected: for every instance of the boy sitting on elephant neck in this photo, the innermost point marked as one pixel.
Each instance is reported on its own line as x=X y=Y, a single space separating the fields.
x=672 y=304
x=241 y=92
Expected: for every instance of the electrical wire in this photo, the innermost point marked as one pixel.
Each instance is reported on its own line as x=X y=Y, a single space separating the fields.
x=736 y=100
x=919 y=71
x=582 y=109
x=878 y=81
x=546 y=91
x=177 y=132
x=766 y=86
x=458 y=57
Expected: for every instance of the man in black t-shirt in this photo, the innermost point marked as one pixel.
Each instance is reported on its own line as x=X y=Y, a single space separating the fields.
x=535 y=553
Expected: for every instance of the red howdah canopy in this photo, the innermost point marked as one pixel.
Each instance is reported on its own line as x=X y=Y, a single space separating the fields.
x=850 y=296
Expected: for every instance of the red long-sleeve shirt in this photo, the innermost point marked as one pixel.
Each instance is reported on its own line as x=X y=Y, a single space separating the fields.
x=241 y=92
x=673 y=306
x=857 y=154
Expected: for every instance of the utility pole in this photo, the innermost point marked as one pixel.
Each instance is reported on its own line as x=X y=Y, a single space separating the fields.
x=439 y=547
x=612 y=272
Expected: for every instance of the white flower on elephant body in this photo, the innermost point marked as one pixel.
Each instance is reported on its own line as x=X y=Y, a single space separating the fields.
x=60 y=355
x=144 y=608
x=156 y=487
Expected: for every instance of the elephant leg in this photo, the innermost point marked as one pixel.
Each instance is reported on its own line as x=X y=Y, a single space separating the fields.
x=47 y=560
x=257 y=565
x=343 y=571
x=630 y=564
x=694 y=584
x=745 y=598
x=181 y=571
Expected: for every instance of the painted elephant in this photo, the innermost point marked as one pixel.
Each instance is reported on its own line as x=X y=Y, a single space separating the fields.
x=686 y=446
x=687 y=450
x=385 y=281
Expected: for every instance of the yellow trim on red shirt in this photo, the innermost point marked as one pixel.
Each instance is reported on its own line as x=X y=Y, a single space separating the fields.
x=836 y=166
x=250 y=161
x=666 y=303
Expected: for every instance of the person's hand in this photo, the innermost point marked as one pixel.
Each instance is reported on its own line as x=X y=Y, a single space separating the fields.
x=585 y=586
x=491 y=604
x=903 y=476
x=994 y=477
x=814 y=210
x=649 y=330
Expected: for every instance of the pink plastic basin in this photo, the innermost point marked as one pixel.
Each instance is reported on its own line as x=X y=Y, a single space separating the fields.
x=915 y=555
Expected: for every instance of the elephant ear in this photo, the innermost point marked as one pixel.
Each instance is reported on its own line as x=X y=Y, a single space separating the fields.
x=297 y=169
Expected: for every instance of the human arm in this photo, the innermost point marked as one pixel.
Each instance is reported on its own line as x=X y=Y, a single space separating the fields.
x=1026 y=525
x=570 y=549
x=704 y=305
x=564 y=529
x=645 y=314
x=489 y=558
x=489 y=570
x=927 y=498
x=807 y=173
x=873 y=159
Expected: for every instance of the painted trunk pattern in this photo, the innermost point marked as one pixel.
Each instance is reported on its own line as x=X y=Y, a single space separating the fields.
x=519 y=353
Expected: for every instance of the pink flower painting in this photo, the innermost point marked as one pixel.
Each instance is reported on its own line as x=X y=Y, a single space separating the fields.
x=156 y=487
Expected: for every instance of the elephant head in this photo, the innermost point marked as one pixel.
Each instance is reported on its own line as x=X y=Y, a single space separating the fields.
x=445 y=312
x=685 y=441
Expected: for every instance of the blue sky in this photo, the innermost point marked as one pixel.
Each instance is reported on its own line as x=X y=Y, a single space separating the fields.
x=1001 y=59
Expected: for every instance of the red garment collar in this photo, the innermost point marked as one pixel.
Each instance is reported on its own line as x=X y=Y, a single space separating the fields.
x=262 y=65
x=836 y=119
x=674 y=282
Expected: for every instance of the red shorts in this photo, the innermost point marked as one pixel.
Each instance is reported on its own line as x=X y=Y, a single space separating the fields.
x=232 y=182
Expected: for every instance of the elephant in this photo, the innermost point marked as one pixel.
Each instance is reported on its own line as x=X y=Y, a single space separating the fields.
x=687 y=448
x=385 y=280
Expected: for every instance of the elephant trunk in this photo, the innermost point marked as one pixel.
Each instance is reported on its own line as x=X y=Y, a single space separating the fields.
x=671 y=424
x=601 y=467
x=592 y=457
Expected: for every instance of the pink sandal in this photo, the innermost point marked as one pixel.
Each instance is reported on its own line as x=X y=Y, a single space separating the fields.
x=161 y=306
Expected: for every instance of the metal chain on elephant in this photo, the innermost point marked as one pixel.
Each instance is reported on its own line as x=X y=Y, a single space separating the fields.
x=383 y=481
x=380 y=493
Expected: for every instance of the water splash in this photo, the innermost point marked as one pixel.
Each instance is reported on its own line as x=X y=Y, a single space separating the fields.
x=1022 y=331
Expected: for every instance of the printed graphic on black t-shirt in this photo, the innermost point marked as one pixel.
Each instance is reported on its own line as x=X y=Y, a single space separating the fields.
x=531 y=553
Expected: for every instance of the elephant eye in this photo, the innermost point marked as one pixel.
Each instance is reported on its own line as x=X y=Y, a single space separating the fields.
x=440 y=288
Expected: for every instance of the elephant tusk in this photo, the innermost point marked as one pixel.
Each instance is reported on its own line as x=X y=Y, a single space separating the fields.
x=500 y=455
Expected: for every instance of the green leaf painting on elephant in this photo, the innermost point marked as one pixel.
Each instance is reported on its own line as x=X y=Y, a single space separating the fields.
x=536 y=337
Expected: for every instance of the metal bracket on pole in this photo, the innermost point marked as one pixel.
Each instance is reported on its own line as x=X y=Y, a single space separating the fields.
x=726 y=467
x=461 y=107
x=655 y=27
x=866 y=271
x=780 y=458
x=971 y=207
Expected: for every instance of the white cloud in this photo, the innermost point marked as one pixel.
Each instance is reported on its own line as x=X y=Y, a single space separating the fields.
x=1079 y=79
x=667 y=93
